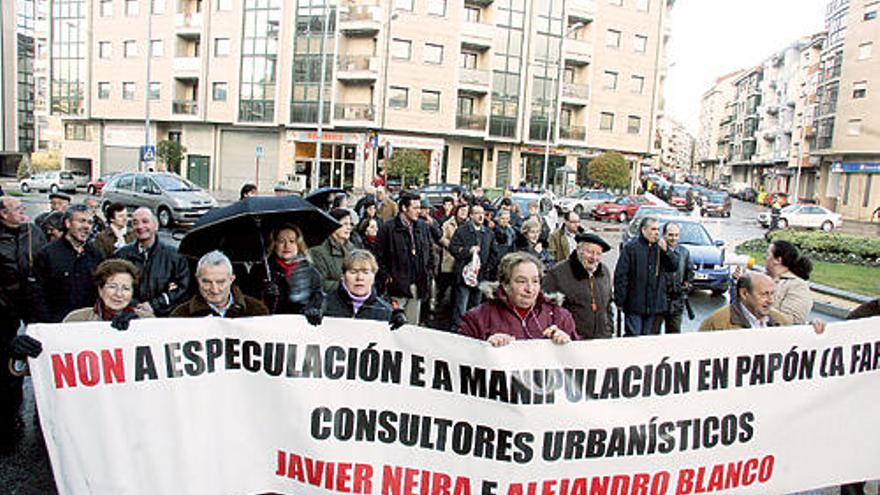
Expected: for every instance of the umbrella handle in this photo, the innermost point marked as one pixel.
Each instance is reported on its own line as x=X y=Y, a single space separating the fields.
x=263 y=250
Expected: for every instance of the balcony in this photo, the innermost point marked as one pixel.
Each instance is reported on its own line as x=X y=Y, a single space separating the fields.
x=502 y=127
x=357 y=69
x=360 y=20
x=188 y=25
x=185 y=107
x=578 y=94
x=577 y=52
x=186 y=67
x=772 y=109
x=572 y=132
x=471 y=122
x=473 y=81
x=581 y=10
x=476 y=36
x=354 y=113
x=479 y=3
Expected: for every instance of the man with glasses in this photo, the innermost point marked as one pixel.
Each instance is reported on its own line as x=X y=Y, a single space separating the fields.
x=562 y=240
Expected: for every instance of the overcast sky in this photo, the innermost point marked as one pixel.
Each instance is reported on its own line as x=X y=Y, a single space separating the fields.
x=711 y=38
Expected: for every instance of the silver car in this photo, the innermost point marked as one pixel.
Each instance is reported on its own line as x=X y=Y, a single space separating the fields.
x=53 y=181
x=172 y=198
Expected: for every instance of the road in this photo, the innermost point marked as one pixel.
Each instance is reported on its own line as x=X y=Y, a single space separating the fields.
x=25 y=469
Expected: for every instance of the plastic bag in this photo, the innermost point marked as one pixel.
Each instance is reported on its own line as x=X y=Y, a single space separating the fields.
x=471 y=271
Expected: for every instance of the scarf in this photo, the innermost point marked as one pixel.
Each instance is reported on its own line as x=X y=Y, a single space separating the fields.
x=356 y=301
x=287 y=267
x=106 y=313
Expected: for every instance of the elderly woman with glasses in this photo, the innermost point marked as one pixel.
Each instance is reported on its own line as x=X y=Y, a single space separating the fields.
x=356 y=297
x=116 y=281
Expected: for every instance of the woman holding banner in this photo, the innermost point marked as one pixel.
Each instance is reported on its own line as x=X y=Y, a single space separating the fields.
x=356 y=297
x=515 y=308
x=116 y=281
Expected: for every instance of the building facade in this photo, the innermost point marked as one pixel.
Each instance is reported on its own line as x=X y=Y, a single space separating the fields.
x=676 y=147
x=248 y=87
x=17 y=90
x=710 y=147
x=802 y=164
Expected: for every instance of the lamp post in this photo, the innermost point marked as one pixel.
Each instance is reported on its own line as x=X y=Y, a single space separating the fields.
x=557 y=106
x=148 y=53
x=320 y=137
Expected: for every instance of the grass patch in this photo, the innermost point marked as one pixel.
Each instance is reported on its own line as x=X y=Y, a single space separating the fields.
x=16 y=194
x=863 y=280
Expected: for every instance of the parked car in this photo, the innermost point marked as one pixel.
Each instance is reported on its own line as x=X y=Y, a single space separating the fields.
x=804 y=216
x=95 y=186
x=583 y=202
x=621 y=209
x=657 y=211
x=747 y=194
x=545 y=202
x=172 y=198
x=716 y=203
x=436 y=192
x=707 y=254
x=681 y=197
x=81 y=178
x=54 y=181
x=771 y=198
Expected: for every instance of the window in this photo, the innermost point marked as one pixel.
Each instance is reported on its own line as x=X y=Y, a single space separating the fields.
x=157 y=48
x=854 y=128
x=128 y=90
x=846 y=189
x=403 y=5
x=401 y=49
x=643 y=5
x=131 y=8
x=612 y=38
x=221 y=47
x=468 y=60
x=865 y=50
x=218 y=91
x=398 y=97
x=104 y=49
x=606 y=121
x=637 y=84
x=640 y=43
x=465 y=105
x=866 y=200
x=129 y=48
x=633 y=124
x=155 y=90
x=106 y=8
x=615 y=2
x=437 y=7
x=158 y=7
x=433 y=53
x=870 y=12
x=609 y=80
x=471 y=14
x=224 y=5
x=103 y=90
x=430 y=101
x=76 y=132
x=860 y=89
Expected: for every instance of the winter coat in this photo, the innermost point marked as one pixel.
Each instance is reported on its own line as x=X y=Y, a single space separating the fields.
x=581 y=291
x=242 y=306
x=447 y=260
x=89 y=314
x=405 y=258
x=544 y=238
x=505 y=243
x=387 y=210
x=639 y=280
x=327 y=258
x=18 y=248
x=792 y=297
x=302 y=290
x=558 y=245
x=675 y=291
x=339 y=305
x=543 y=256
x=64 y=279
x=497 y=315
x=866 y=310
x=731 y=317
x=105 y=240
x=466 y=237
x=164 y=275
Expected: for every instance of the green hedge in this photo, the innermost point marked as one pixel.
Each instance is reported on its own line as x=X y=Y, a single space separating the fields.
x=824 y=246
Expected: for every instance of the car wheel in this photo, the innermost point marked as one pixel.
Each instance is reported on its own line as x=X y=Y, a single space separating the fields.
x=579 y=210
x=783 y=223
x=53 y=188
x=827 y=226
x=91 y=190
x=25 y=188
x=164 y=216
x=622 y=217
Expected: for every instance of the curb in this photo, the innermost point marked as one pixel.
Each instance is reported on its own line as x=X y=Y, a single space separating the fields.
x=830 y=310
x=842 y=294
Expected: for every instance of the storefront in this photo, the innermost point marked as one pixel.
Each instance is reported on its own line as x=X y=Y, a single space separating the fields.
x=342 y=162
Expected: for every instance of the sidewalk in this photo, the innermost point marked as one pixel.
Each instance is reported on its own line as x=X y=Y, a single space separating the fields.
x=856 y=227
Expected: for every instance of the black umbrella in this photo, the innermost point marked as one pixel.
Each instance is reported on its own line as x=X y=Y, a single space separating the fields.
x=239 y=229
x=322 y=196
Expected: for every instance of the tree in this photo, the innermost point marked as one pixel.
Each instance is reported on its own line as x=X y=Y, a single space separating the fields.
x=170 y=153
x=408 y=164
x=609 y=170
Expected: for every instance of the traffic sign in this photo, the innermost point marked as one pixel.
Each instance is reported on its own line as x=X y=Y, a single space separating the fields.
x=148 y=153
x=259 y=151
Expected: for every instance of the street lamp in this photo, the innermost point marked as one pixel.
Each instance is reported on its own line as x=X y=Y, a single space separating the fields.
x=148 y=52
x=320 y=137
x=574 y=27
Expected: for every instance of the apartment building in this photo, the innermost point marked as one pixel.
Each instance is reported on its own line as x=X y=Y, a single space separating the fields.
x=477 y=86
x=16 y=83
x=801 y=163
x=676 y=146
x=848 y=143
x=710 y=147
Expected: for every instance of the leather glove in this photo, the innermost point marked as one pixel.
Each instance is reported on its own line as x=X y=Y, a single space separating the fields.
x=122 y=320
x=23 y=346
x=314 y=316
x=398 y=319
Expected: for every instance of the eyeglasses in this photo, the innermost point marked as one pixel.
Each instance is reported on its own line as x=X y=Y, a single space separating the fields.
x=118 y=288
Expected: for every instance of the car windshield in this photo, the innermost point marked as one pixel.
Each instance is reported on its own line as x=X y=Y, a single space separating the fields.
x=717 y=198
x=658 y=211
x=172 y=183
x=680 y=189
x=694 y=234
x=790 y=208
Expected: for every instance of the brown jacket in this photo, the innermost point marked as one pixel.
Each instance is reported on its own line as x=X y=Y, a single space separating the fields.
x=106 y=239
x=88 y=314
x=242 y=306
x=732 y=318
x=558 y=245
x=388 y=210
x=581 y=291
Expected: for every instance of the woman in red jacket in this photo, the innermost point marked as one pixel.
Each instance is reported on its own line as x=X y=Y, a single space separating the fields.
x=517 y=309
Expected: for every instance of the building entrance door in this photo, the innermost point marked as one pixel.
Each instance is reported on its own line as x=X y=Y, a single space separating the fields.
x=199 y=170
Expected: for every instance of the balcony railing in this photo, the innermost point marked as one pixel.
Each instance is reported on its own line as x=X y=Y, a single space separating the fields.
x=573 y=132
x=188 y=21
x=538 y=130
x=307 y=112
x=474 y=77
x=185 y=107
x=502 y=126
x=354 y=63
x=470 y=122
x=354 y=111
x=576 y=91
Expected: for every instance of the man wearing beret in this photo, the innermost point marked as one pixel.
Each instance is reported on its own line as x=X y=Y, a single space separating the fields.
x=586 y=284
x=57 y=202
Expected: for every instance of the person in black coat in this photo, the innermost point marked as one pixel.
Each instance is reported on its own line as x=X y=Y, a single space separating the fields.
x=406 y=257
x=64 y=269
x=472 y=237
x=356 y=296
x=505 y=239
x=640 y=277
x=165 y=276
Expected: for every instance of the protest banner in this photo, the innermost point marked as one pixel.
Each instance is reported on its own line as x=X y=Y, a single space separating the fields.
x=273 y=406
